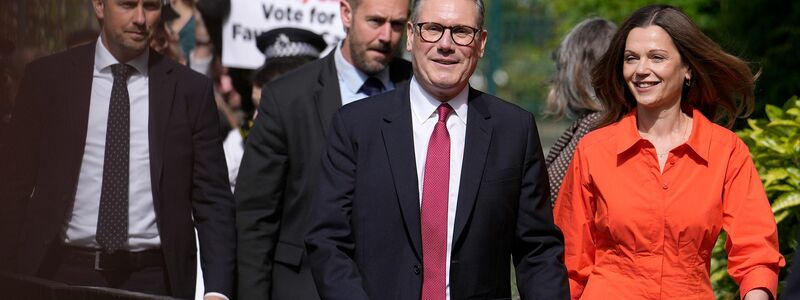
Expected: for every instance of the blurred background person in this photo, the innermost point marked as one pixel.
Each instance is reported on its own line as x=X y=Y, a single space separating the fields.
x=571 y=92
x=164 y=40
x=183 y=24
x=284 y=49
x=648 y=192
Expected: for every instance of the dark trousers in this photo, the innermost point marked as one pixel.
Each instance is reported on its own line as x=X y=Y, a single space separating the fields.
x=149 y=280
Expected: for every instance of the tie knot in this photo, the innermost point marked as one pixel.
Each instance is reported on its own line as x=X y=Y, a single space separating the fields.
x=121 y=71
x=372 y=86
x=444 y=110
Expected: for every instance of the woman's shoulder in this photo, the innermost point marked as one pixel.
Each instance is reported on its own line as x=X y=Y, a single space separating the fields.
x=600 y=136
x=719 y=136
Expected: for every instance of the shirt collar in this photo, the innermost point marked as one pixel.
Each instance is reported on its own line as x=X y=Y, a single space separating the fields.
x=424 y=105
x=104 y=59
x=698 y=142
x=353 y=78
x=700 y=138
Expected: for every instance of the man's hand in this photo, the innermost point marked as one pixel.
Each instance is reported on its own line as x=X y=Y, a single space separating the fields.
x=214 y=297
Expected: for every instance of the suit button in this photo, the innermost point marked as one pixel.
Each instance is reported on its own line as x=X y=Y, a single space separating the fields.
x=417 y=269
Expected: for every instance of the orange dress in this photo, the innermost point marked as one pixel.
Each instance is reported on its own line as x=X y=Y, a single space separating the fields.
x=633 y=232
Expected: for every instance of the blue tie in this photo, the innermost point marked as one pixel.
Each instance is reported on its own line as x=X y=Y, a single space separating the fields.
x=372 y=86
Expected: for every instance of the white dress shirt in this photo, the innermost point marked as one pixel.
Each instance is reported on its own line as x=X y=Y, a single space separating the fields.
x=424 y=118
x=82 y=223
x=351 y=79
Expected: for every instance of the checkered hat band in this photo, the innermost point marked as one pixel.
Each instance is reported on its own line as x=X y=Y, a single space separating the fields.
x=291 y=49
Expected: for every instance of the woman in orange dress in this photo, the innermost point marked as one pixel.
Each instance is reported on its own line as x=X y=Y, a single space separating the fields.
x=646 y=195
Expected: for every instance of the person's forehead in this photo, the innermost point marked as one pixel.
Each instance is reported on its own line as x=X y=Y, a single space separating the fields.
x=371 y=6
x=459 y=11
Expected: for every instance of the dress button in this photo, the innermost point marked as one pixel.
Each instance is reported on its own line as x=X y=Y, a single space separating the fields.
x=665 y=186
x=672 y=162
x=416 y=269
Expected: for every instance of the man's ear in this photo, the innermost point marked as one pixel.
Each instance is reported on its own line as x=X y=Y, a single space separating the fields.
x=409 y=36
x=98 y=6
x=346 y=12
x=481 y=37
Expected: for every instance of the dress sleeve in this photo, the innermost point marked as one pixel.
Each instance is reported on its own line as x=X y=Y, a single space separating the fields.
x=573 y=214
x=753 y=256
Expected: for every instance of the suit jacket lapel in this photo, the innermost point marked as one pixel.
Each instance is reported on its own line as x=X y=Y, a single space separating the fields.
x=398 y=139
x=161 y=91
x=476 y=147
x=327 y=96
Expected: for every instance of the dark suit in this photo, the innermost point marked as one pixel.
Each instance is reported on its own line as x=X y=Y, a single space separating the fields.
x=365 y=240
x=187 y=168
x=792 y=287
x=277 y=178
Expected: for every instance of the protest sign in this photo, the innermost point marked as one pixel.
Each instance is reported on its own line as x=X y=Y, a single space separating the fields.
x=248 y=18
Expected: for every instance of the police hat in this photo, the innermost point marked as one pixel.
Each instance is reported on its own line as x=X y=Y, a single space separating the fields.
x=286 y=42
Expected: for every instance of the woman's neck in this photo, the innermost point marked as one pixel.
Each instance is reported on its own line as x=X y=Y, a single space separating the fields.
x=661 y=121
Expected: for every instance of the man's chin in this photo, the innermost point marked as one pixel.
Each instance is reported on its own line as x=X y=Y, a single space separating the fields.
x=373 y=67
x=135 y=47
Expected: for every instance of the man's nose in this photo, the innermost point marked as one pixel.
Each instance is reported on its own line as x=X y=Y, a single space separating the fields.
x=385 y=32
x=446 y=42
x=139 y=18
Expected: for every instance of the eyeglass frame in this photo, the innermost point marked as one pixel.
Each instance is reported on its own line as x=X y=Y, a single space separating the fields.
x=419 y=25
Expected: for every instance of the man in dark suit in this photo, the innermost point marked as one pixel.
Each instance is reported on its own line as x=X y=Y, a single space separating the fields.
x=113 y=160
x=428 y=191
x=277 y=177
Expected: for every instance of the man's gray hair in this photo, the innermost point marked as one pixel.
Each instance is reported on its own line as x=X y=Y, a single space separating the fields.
x=478 y=4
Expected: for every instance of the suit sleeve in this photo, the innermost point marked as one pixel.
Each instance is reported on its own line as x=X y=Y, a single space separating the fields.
x=539 y=245
x=753 y=256
x=18 y=164
x=574 y=214
x=212 y=201
x=259 y=194
x=792 y=287
x=330 y=242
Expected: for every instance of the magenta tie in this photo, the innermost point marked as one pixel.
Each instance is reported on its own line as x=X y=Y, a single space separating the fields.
x=435 y=189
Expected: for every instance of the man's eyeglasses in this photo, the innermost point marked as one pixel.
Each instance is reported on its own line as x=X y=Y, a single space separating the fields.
x=432 y=32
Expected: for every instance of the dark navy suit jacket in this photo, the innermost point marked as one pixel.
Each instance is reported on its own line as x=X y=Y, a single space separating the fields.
x=365 y=240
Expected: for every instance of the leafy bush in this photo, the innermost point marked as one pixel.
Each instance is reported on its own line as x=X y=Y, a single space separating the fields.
x=775 y=147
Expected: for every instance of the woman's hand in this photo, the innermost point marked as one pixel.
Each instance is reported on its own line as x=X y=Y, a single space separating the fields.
x=757 y=294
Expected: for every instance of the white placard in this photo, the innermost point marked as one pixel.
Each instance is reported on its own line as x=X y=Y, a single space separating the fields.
x=248 y=18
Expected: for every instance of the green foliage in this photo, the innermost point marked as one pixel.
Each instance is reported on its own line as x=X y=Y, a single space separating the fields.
x=571 y=12
x=774 y=144
x=766 y=33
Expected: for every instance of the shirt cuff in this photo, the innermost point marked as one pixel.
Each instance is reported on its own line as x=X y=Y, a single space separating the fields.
x=762 y=277
x=217 y=294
